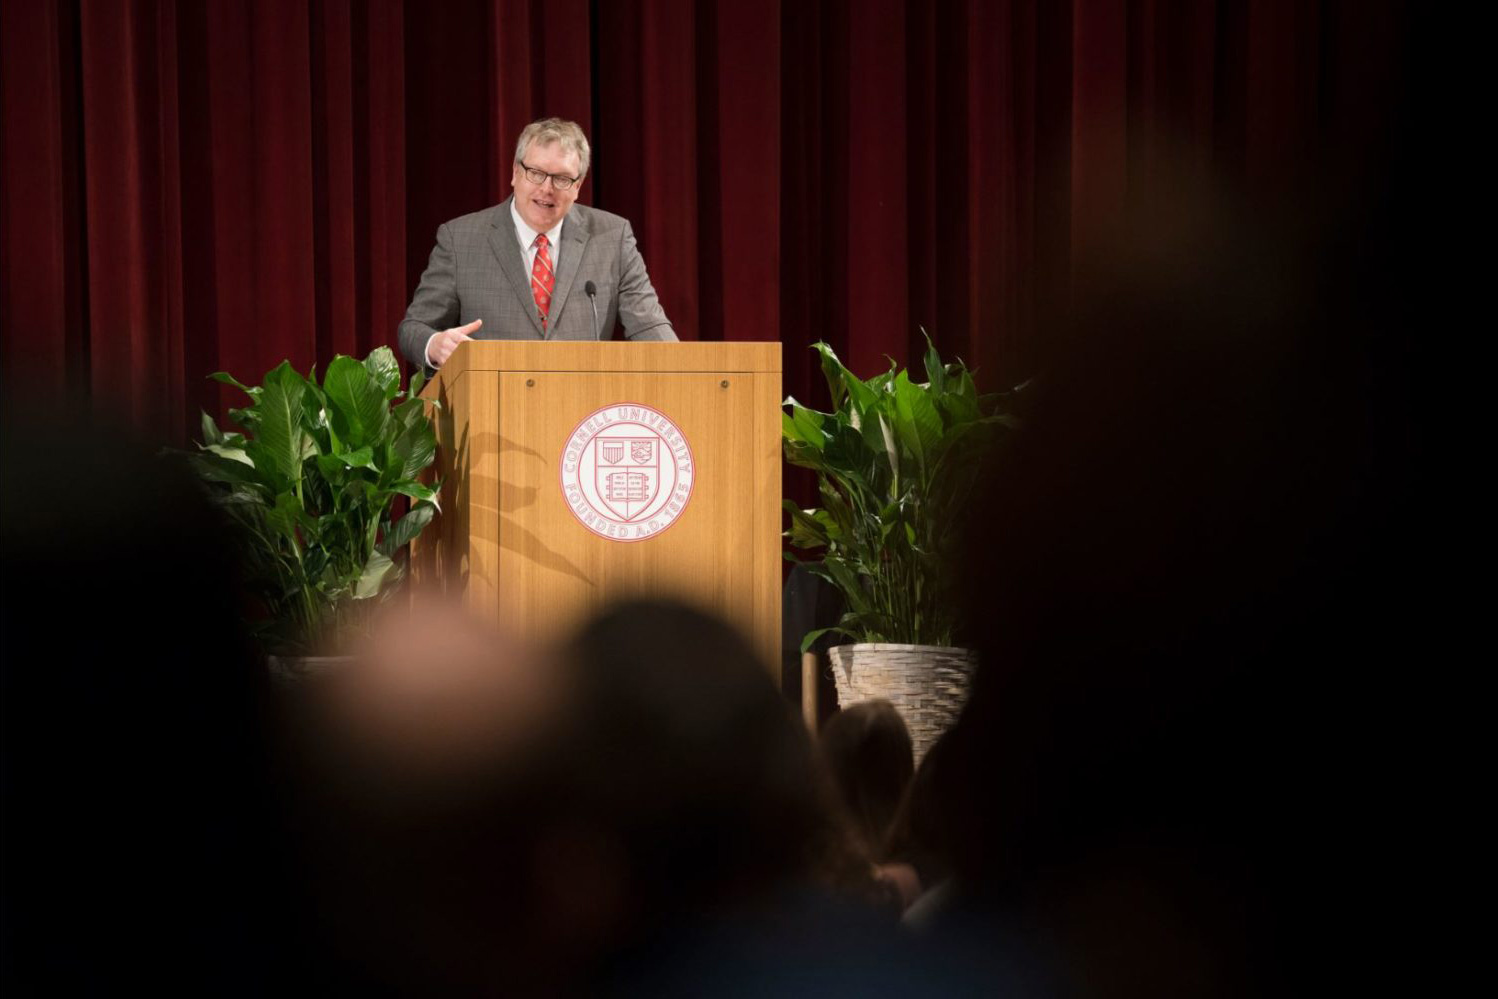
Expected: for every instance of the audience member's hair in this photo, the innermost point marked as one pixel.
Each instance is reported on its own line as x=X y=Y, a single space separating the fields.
x=866 y=748
x=685 y=752
x=918 y=834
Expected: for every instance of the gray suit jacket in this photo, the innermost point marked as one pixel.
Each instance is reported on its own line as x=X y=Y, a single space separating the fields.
x=477 y=272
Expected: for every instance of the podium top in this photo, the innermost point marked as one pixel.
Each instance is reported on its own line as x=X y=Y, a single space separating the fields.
x=611 y=356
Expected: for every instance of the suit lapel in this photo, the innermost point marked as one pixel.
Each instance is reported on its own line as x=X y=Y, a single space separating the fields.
x=575 y=234
x=506 y=246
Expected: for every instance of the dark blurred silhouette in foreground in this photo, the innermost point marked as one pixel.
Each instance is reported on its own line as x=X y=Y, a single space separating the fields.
x=1187 y=589
x=141 y=843
x=637 y=812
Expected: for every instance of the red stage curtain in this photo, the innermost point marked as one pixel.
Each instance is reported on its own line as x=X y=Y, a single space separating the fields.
x=188 y=186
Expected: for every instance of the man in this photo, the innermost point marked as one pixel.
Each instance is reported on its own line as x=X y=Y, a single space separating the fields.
x=520 y=270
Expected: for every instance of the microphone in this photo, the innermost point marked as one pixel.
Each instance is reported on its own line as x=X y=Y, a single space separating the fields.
x=592 y=291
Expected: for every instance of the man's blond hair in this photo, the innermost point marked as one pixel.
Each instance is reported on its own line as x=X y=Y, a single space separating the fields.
x=548 y=130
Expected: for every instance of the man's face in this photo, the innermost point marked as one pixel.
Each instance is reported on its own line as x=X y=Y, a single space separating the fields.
x=542 y=205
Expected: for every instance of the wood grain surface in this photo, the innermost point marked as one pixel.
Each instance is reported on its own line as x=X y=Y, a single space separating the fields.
x=508 y=539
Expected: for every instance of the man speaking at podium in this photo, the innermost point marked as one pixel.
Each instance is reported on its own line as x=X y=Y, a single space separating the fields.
x=535 y=267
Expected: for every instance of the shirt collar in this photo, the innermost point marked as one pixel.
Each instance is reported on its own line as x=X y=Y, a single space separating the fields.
x=528 y=235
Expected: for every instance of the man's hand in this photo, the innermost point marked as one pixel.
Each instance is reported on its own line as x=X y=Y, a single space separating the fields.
x=441 y=346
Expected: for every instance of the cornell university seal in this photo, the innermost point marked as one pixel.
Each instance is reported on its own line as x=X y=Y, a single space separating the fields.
x=627 y=472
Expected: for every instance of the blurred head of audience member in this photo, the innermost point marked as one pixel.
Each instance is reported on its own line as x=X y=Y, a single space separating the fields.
x=866 y=748
x=686 y=757
x=1198 y=549
x=420 y=774
x=918 y=834
x=139 y=841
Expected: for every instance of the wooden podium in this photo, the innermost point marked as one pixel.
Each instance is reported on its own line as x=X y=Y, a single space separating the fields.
x=578 y=473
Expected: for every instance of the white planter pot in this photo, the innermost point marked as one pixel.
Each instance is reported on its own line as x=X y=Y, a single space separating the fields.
x=927 y=684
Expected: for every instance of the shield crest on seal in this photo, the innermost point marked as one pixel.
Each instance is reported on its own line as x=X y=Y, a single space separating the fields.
x=627 y=473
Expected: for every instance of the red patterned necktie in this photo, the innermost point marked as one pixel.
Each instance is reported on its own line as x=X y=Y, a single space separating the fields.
x=543 y=279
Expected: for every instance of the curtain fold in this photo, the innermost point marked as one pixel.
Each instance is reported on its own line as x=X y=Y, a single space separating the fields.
x=190 y=187
x=43 y=290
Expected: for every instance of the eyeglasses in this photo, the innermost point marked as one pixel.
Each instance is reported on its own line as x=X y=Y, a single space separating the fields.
x=559 y=181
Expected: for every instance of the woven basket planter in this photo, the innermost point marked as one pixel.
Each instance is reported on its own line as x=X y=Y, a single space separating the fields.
x=927 y=684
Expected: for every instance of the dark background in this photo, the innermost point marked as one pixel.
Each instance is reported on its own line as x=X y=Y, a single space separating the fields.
x=190 y=187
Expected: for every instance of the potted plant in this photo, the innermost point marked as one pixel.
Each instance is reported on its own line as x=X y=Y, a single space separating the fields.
x=312 y=483
x=897 y=462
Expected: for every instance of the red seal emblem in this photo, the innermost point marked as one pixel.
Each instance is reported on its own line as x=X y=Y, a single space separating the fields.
x=627 y=472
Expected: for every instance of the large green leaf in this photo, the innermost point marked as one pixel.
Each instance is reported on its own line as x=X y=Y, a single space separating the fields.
x=359 y=409
x=228 y=379
x=936 y=371
x=211 y=432
x=416 y=491
x=810 y=425
x=847 y=452
x=334 y=471
x=846 y=578
x=277 y=447
x=248 y=418
x=230 y=453
x=889 y=518
x=360 y=492
x=959 y=404
x=870 y=429
x=215 y=467
x=877 y=626
x=285 y=516
x=810 y=638
x=385 y=371
x=848 y=390
x=414 y=408
x=829 y=527
x=862 y=398
x=318 y=564
x=375 y=571
x=415 y=445
x=403 y=531
x=917 y=423
x=788 y=428
x=310 y=446
x=805 y=530
x=891 y=448
x=319 y=421
x=362 y=458
x=837 y=506
x=803 y=454
x=880 y=382
x=817 y=524
x=832 y=370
